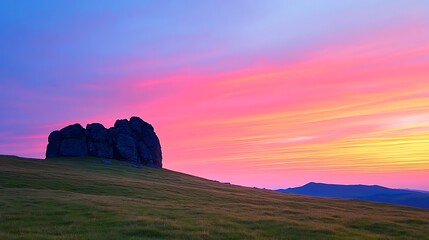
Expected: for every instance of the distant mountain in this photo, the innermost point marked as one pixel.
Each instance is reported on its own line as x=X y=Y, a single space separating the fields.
x=374 y=193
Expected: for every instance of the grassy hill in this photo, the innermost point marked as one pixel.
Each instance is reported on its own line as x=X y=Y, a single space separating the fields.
x=84 y=199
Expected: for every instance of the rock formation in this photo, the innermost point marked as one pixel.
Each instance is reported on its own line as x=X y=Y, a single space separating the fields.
x=133 y=141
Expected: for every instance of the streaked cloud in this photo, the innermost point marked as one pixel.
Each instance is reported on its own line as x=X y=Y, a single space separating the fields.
x=270 y=94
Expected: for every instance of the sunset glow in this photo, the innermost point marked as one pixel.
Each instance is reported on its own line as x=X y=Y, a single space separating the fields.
x=253 y=95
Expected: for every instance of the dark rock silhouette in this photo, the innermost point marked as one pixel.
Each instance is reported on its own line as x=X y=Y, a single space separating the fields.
x=99 y=141
x=133 y=141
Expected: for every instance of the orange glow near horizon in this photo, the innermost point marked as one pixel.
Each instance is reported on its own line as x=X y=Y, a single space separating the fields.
x=328 y=115
x=349 y=106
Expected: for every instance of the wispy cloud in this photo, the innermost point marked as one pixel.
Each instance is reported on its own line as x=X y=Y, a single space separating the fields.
x=276 y=99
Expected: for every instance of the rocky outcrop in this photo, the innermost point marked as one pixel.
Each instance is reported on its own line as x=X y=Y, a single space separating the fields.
x=131 y=140
x=99 y=141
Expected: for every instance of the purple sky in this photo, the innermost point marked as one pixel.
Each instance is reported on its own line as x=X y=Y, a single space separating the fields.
x=271 y=94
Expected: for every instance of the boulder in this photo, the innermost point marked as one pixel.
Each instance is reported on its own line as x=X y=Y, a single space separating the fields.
x=106 y=162
x=73 y=147
x=53 y=147
x=73 y=141
x=99 y=141
x=125 y=148
x=149 y=145
x=69 y=142
x=131 y=140
x=72 y=131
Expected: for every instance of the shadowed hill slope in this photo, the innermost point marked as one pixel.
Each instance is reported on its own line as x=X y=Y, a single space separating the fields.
x=84 y=199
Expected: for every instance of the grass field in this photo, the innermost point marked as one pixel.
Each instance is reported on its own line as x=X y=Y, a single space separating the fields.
x=84 y=199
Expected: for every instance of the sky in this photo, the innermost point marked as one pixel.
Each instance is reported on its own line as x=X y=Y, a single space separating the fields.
x=270 y=94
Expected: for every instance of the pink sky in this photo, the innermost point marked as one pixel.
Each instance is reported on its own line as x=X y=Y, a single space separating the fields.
x=350 y=107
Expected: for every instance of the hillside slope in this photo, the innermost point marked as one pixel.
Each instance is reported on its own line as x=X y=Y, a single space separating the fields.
x=363 y=192
x=84 y=199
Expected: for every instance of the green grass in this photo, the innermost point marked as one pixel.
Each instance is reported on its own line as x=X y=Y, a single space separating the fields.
x=74 y=198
